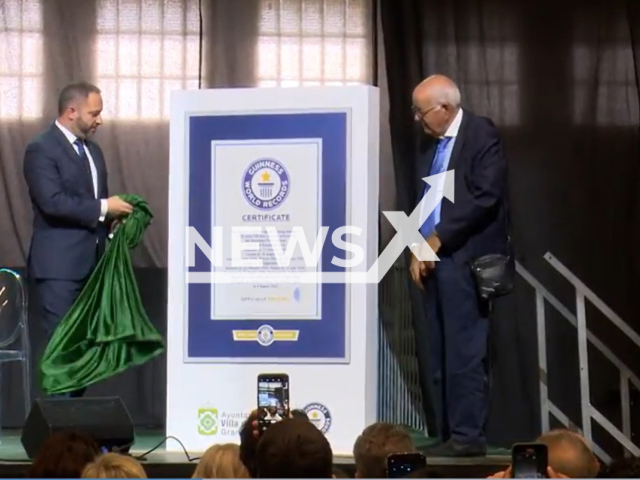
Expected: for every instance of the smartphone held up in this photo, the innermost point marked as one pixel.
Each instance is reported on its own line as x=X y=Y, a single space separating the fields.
x=400 y=465
x=273 y=398
x=529 y=460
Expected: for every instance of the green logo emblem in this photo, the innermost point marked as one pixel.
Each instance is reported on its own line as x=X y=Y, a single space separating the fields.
x=207 y=421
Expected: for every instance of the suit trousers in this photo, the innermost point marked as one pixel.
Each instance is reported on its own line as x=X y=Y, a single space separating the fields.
x=54 y=299
x=454 y=330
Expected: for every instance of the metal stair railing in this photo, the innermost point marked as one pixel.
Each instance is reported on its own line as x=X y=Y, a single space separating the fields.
x=399 y=396
x=588 y=411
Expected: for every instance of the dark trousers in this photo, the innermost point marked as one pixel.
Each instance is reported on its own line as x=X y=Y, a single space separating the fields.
x=54 y=298
x=451 y=344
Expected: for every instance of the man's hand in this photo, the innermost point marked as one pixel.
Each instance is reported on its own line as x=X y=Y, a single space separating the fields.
x=418 y=270
x=117 y=207
x=434 y=243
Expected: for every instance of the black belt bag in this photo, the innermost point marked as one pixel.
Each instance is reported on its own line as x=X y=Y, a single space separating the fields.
x=494 y=275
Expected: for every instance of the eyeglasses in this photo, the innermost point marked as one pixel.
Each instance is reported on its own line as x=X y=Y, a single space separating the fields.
x=417 y=111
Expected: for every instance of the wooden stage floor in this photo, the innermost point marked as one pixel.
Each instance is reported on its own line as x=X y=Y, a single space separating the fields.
x=163 y=464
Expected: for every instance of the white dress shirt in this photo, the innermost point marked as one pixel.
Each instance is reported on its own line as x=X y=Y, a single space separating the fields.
x=94 y=171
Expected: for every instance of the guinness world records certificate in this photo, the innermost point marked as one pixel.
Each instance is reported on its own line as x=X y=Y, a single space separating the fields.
x=277 y=186
x=260 y=170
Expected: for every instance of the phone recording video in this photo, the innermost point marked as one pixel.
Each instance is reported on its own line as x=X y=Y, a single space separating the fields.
x=399 y=465
x=273 y=398
x=529 y=460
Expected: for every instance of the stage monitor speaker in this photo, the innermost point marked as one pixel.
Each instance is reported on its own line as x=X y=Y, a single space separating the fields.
x=106 y=420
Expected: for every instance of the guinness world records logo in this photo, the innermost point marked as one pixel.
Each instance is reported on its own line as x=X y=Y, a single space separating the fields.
x=265 y=184
x=319 y=415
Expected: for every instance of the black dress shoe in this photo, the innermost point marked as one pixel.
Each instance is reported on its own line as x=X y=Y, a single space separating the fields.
x=453 y=448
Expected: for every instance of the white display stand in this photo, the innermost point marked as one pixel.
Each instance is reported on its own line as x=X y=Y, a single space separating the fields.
x=322 y=143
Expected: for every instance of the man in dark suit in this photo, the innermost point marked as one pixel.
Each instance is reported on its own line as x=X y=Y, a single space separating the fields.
x=451 y=338
x=66 y=175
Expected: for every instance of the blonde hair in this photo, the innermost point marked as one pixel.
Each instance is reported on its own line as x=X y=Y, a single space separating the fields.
x=114 y=465
x=221 y=461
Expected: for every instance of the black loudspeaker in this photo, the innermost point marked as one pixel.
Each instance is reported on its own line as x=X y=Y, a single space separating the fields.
x=106 y=420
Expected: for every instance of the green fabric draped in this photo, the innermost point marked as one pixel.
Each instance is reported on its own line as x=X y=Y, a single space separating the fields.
x=106 y=330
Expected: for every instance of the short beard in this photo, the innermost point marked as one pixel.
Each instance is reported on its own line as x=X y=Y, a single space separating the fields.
x=84 y=130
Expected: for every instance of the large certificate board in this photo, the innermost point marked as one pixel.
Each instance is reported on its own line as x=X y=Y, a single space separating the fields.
x=251 y=170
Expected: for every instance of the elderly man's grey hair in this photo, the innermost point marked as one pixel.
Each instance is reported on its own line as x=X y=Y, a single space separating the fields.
x=444 y=91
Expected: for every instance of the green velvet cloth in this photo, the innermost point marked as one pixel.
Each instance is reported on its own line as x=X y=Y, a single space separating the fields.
x=106 y=330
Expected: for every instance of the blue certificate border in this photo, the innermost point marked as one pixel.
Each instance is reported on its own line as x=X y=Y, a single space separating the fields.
x=318 y=144
x=320 y=341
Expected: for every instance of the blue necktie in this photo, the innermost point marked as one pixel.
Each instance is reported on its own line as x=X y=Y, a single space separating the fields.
x=436 y=167
x=82 y=153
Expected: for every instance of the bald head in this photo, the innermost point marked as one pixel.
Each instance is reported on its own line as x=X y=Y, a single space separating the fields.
x=569 y=454
x=436 y=101
x=438 y=89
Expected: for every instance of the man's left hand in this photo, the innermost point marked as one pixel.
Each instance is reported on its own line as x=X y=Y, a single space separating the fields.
x=434 y=242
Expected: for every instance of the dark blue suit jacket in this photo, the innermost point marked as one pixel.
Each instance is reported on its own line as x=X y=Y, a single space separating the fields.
x=67 y=234
x=476 y=223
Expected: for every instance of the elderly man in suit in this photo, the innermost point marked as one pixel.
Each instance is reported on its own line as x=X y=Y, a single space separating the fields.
x=66 y=175
x=451 y=339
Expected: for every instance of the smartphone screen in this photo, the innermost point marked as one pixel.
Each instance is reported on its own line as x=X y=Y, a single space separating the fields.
x=273 y=397
x=399 y=465
x=529 y=460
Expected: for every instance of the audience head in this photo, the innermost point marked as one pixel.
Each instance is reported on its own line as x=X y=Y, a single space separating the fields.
x=80 y=108
x=294 y=448
x=221 y=461
x=375 y=444
x=248 y=444
x=114 y=465
x=249 y=436
x=569 y=454
x=436 y=101
x=64 y=455
x=297 y=413
x=622 y=468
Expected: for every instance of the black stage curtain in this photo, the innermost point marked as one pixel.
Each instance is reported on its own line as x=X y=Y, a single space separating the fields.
x=560 y=79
